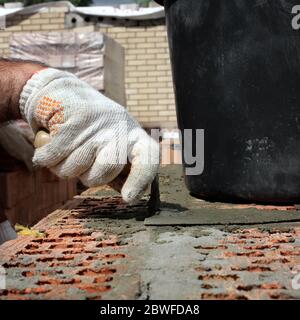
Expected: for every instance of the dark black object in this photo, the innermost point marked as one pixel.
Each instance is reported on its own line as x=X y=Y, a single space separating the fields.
x=154 y=201
x=236 y=68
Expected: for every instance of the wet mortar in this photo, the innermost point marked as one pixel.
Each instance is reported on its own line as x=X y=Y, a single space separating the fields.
x=99 y=248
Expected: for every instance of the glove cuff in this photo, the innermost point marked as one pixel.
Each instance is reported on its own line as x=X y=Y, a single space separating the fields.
x=38 y=81
x=7 y=232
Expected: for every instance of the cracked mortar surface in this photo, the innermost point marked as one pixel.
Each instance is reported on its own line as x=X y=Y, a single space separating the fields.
x=99 y=248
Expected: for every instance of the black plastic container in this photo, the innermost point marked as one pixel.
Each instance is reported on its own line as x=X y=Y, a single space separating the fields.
x=236 y=70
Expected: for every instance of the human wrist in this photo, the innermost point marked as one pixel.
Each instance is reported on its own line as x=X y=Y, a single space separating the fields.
x=14 y=76
x=35 y=99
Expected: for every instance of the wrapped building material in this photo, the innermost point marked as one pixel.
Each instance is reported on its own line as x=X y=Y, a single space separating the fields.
x=93 y=57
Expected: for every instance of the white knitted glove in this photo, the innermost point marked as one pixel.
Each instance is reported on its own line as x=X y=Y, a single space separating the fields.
x=91 y=136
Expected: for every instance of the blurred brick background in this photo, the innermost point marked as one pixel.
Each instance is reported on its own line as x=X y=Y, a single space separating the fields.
x=25 y=196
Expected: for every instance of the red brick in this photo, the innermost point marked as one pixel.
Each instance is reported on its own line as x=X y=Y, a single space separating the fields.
x=45 y=175
x=8 y=163
x=72 y=188
x=63 y=190
x=70 y=256
x=15 y=186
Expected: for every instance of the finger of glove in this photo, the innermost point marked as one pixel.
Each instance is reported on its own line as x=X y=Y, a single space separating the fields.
x=104 y=169
x=78 y=162
x=145 y=165
x=52 y=153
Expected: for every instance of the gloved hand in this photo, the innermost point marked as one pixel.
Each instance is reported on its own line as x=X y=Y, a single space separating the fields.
x=92 y=137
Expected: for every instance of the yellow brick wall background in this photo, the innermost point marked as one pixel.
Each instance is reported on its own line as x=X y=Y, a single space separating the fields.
x=149 y=87
x=148 y=79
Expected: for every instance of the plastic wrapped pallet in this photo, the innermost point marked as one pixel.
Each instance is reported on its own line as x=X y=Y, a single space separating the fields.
x=92 y=56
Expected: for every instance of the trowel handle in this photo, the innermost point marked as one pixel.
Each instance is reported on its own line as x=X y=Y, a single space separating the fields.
x=42 y=138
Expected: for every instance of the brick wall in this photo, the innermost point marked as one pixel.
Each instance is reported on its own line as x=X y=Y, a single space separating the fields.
x=148 y=80
x=149 y=87
x=25 y=196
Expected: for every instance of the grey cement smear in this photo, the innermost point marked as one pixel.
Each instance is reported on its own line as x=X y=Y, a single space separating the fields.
x=213 y=216
x=179 y=208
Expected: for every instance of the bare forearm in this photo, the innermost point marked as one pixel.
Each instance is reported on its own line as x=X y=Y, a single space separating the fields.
x=13 y=77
